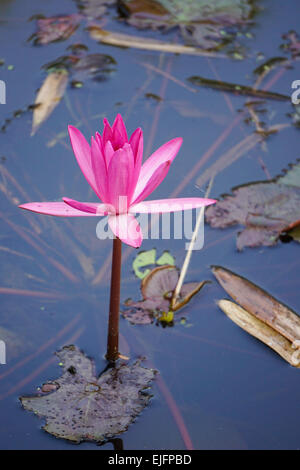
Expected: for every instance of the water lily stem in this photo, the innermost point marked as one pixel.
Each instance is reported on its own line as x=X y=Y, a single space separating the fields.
x=114 y=308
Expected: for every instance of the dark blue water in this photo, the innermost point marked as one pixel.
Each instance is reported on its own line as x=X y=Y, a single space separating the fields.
x=231 y=390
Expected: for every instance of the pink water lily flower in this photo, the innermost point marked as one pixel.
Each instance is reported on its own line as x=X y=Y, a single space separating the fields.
x=112 y=165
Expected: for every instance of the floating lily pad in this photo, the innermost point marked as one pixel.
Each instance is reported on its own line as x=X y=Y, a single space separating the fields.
x=266 y=209
x=84 y=407
x=148 y=258
x=206 y=23
x=157 y=290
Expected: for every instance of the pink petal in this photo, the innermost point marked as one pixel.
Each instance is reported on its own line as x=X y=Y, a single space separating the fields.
x=135 y=141
x=117 y=140
x=108 y=152
x=59 y=209
x=107 y=132
x=99 y=169
x=120 y=172
x=166 y=152
x=99 y=141
x=156 y=178
x=119 y=129
x=92 y=207
x=82 y=152
x=126 y=227
x=170 y=205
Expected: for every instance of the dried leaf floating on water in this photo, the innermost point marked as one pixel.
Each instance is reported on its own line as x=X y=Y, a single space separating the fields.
x=237 y=89
x=138 y=42
x=261 y=314
x=157 y=290
x=261 y=331
x=84 y=407
x=49 y=97
x=56 y=28
x=266 y=209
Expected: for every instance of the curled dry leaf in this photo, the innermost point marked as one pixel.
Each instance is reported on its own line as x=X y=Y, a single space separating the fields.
x=48 y=97
x=84 y=407
x=157 y=290
x=266 y=209
x=138 y=42
x=261 y=315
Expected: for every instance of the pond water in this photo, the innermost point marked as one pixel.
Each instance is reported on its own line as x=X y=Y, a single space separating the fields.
x=229 y=390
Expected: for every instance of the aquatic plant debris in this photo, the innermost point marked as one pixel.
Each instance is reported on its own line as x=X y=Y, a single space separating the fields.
x=84 y=407
x=157 y=290
x=48 y=97
x=266 y=209
x=127 y=40
x=261 y=315
x=236 y=89
x=56 y=28
x=293 y=44
x=209 y=24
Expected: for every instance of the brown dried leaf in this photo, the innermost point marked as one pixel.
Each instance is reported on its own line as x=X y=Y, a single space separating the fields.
x=263 y=307
x=157 y=290
x=261 y=331
x=56 y=28
x=138 y=42
x=48 y=97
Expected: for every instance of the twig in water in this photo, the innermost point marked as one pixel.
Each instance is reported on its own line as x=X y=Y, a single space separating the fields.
x=189 y=252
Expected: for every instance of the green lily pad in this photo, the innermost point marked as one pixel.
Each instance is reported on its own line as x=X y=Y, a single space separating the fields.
x=84 y=407
x=148 y=258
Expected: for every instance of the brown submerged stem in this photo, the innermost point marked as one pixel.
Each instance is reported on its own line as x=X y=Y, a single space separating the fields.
x=114 y=307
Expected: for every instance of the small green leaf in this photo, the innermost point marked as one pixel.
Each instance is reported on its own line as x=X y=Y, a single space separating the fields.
x=145 y=258
x=166 y=258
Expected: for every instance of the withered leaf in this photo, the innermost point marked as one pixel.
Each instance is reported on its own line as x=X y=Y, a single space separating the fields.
x=84 y=407
x=157 y=290
x=48 y=97
x=236 y=88
x=56 y=28
x=138 y=42
x=261 y=331
x=266 y=209
x=261 y=315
